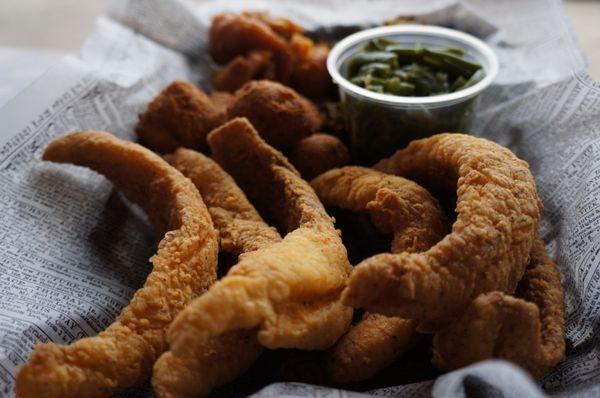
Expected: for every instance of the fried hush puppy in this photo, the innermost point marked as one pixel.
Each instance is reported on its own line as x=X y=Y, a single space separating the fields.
x=397 y=206
x=528 y=329
x=241 y=229
x=180 y=115
x=255 y=46
x=184 y=266
x=281 y=116
x=488 y=248
x=318 y=153
x=287 y=292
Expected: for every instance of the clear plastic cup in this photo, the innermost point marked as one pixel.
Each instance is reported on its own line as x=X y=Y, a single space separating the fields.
x=379 y=124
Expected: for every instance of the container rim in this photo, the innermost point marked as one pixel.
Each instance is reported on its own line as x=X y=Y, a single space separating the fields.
x=439 y=100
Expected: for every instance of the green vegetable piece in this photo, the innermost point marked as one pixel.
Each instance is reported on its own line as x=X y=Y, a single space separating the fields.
x=455 y=51
x=476 y=78
x=458 y=84
x=387 y=67
x=363 y=58
x=375 y=88
x=376 y=68
x=459 y=65
x=378 y=44
x=407 y=89
x=377 y=81
x=359 y=80
x=392 y=86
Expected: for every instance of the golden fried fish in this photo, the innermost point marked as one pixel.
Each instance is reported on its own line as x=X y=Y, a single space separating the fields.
x=184 y=266
x=488 y=249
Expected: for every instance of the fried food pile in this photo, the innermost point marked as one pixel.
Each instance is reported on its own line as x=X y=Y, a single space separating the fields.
x=395 y=205
x=182 y=115
x=184 y=266
x=254 y=45
x=227 y=190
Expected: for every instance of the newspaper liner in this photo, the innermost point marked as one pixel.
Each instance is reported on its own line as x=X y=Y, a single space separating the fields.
x=72 y=250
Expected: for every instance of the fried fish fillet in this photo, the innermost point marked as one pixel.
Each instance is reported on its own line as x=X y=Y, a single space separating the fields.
x=289 y=290
x=528 y=329
x=399 y=206
x=488 y=249
x=241 y=229
x=396 y=205
x=183 y=267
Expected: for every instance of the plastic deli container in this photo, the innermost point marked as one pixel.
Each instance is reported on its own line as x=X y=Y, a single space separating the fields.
x=379 y=124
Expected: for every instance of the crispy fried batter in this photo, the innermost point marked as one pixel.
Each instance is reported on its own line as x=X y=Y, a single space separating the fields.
x=397 y=206
x=282 y=116
x=232 y=35
x=370 y=346
x=183 y=267
x=289 y=290
x=528 y=330
x=180 y=115
x=282 y=26
x=488 y=248
x=221 y=101
x=241 y=70
x=318 y=153
x=310 y=76
x=287 y=55
x=241 y=229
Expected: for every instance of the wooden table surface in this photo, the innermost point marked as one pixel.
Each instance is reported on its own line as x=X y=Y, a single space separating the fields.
x=26 y=23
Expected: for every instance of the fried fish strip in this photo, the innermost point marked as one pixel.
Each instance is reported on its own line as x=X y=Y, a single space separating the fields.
x=241 y=229
x=183 y=267
x=289 y=290
x=490 y=243
x=528 y=330
x=399 y=206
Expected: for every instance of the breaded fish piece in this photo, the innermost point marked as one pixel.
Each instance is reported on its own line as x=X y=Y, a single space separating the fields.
x=370 y=346
x=181 y=115
x=289 y=290
x=528 y=329
x=396 y=205
x=183 y=267
x=241 y=229
x=488 y=249
x=399 y=206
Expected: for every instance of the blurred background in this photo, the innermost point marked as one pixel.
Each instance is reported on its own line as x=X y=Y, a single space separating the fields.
x=62 y=25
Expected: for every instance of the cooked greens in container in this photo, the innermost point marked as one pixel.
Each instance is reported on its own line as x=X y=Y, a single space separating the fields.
x=400 y=83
